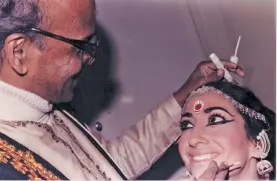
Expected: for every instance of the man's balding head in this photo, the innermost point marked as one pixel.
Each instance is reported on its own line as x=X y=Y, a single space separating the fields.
x=43 y=65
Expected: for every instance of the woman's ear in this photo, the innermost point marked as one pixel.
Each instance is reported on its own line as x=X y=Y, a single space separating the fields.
x=254 y=151
x=14 y=52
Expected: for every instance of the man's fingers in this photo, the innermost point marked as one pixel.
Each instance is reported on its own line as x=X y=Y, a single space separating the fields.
x=215 y=76
x=210 y=65
x=210 y=172
x=220 y=73
x=240 y=71
x=222 y=173
x=227 y=64
x=233 y=67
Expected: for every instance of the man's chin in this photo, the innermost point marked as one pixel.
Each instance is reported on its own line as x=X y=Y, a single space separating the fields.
x=66 y=97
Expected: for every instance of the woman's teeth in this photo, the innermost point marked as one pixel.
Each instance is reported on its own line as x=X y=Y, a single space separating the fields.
x=203 y=157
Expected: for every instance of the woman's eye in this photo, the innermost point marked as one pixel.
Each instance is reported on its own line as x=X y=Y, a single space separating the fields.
x=184 y=125
x=215 y=119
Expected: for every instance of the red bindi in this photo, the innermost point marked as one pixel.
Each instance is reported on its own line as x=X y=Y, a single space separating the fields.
x=198 y=105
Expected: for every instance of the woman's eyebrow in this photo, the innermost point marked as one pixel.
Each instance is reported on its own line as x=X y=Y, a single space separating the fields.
x=187 y=114
x=210 y=109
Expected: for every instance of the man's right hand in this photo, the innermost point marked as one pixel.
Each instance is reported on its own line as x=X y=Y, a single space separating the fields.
x=214 y=172
x=205 y=72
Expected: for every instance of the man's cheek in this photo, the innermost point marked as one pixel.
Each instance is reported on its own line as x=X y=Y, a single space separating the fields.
x=75 y=66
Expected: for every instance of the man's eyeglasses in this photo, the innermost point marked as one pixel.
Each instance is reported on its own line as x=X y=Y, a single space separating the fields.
x=87 y=47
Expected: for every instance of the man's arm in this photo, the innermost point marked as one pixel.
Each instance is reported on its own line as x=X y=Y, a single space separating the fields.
x=140 y=145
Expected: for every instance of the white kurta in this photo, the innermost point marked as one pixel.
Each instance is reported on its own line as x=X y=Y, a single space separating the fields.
x=56 y=139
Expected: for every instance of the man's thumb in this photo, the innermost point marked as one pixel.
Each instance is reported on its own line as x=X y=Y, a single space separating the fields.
x=220 y=74
x=215 y=76
x=210 y=172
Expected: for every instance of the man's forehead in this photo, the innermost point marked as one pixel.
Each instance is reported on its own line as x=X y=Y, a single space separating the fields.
x=69 y=9
x=70 y=3
x=71 y=18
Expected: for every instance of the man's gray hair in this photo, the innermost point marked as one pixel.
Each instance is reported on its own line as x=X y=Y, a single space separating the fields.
x=18 y=15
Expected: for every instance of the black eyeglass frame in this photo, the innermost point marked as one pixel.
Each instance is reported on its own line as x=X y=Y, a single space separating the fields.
x=87 y=46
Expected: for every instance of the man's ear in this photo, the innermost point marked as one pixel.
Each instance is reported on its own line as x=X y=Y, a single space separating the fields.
x=15 y=52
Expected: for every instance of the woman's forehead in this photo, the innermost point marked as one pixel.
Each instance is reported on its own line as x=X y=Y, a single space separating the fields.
x=206 y=100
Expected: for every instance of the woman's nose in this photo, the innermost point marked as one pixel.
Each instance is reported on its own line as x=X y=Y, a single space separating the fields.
x=197 y=137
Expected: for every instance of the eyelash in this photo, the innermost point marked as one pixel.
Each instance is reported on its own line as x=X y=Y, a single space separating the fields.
x=224 y=120
x=184 y=123
x=216 y=114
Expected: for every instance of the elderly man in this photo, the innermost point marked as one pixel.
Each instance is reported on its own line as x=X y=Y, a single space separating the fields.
x=44 y=45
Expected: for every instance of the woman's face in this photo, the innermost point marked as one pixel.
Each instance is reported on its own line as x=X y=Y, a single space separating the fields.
x=213 y=130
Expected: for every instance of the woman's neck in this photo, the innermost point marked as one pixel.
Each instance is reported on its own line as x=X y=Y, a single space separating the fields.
x=249 y=172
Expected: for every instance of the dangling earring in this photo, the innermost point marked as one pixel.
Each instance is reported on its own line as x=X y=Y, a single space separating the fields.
x=263 y=146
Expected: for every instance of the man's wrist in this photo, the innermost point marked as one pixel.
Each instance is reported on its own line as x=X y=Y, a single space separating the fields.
x=181 y=97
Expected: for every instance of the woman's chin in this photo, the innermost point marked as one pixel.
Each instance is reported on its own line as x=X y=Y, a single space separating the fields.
x=199 y=170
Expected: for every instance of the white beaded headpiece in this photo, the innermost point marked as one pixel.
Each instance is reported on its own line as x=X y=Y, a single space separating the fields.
x=251 y=113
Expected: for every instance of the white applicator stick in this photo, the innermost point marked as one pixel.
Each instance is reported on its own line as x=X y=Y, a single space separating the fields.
x=219 y=65
x=235 y=58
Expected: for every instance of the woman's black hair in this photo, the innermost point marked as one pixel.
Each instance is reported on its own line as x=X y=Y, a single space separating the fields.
x=253 y=126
